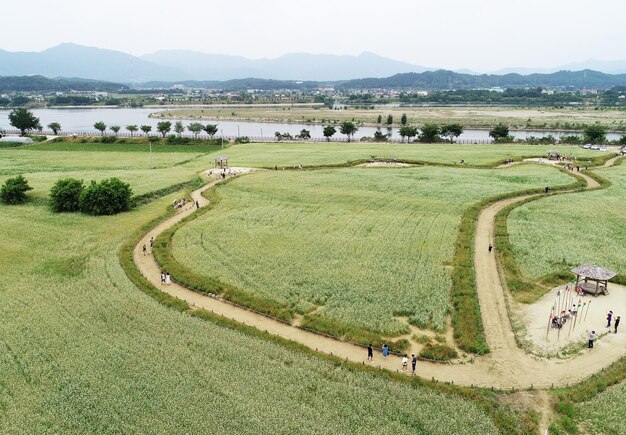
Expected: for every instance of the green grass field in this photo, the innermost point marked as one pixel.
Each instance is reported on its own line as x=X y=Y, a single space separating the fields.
x=560 y=232
x=312 y=154
x=84 y=351
x=360 y=245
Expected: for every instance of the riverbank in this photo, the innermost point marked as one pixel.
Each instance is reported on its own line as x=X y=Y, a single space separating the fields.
x=529 y=119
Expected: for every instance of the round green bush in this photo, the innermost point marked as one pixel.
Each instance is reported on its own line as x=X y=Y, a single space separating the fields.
x=14 y=190
x=107 y=197
x=65 y=195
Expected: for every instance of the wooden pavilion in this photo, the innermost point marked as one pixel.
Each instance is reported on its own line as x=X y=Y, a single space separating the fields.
x=221 y=162
x=593 y=279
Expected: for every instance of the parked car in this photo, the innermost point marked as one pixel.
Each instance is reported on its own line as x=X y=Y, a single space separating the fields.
x=587 y=146
x=595 y=147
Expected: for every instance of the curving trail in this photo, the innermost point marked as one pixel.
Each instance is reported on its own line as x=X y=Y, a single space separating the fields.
x=506 y=366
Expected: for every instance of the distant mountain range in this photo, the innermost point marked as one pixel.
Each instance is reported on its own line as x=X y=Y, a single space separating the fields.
x=294 y=66
x=71 y=60
x=44 y=84
x=441 y=80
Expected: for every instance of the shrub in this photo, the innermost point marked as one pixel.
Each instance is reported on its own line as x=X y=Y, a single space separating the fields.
x=242 y=139
x=177 y=140
x=65 y=195
x=107 y=197
x=14 y=190
x=438 y=352
x=108 y=139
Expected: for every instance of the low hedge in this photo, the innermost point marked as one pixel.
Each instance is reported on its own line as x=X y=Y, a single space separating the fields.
x=352 y=333
x=438 y=352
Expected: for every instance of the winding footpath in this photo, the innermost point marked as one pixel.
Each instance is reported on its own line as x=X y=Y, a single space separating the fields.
x=506 y=366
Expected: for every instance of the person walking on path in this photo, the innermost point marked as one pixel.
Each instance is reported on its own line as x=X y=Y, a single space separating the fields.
x=592 y=338
x=608 y=319
x=616 y=324
x=385 y=351
x=197 y=204
x=405 y=363
x=151 y=242
x=413 y=362
x=490 y=247
x=370 y=353
x=145 y=250
x=162 y=278
x=168 y=278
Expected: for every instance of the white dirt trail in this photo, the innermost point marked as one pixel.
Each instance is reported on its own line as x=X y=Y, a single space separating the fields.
x=506 y=366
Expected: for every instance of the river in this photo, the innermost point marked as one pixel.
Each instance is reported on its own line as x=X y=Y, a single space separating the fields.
x=82 y=120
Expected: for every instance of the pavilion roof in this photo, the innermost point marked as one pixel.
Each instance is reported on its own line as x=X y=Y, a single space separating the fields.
x=221 y=158
x=594 y=272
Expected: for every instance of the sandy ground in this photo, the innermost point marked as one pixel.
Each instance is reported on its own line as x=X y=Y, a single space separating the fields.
x=546 y=340
x=506 y=366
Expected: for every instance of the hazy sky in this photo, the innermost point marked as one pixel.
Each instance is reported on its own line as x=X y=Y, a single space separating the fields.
x=481 y=35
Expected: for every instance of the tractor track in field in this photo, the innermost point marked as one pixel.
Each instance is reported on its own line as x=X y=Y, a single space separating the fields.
x=507 y=366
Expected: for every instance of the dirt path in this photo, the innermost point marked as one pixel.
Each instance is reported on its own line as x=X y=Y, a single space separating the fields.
x=506 y=366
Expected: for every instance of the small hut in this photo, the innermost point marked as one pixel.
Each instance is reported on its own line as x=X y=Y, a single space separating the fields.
x=221 y=162
x=593 y=279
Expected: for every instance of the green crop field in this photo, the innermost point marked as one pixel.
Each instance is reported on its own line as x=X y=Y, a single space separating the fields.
x=359 y=245
x=84 y=351
x=605 y=412
x=311 y=154
x=556 y=233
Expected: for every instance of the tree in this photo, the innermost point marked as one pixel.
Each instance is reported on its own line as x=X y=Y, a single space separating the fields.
x=329 y=131
x=132 y=128
x=430 y=133
x=195 y=128
x=107 y=197
x=595 y=134
x=304 y=134
x=499 y=132
x=14 y=190
x=164 y=127
x=55 y=127
x=179 y=128
x=100 y=126
x=389 y=120
x=379 y=120
x=452 y=131
x=404 y=119
x=65 y=195
x=116 y=129
x=23 y=120
x=348 y=128
x=379 y=136
x=211 y=130
x=146 y=129
x=408 y=132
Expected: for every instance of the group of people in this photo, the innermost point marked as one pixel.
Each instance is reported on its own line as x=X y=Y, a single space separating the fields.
x=166 y=278
x=508 y=161
x=609 y=320
x=385 y=352
x=570 y=167
x=181 y=203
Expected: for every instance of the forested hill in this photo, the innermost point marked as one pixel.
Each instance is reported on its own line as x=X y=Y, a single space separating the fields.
x=44 y=84
x=443 y=79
